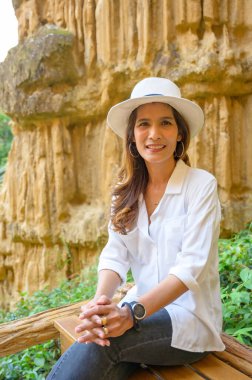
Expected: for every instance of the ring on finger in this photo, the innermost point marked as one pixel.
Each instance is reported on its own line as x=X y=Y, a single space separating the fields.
x=105 y=330
x=104 y=321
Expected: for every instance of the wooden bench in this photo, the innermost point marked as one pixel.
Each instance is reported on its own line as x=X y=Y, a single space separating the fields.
x=235 y=363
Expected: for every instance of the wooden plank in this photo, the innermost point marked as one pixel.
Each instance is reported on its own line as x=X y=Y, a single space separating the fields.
x=241 y=364
x=216 y=369
x=66 y=327
x=64 y=343
x=179 y=373
x=236 y=348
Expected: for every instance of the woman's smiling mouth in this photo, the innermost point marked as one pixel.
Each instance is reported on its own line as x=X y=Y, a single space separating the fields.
x=155 y=147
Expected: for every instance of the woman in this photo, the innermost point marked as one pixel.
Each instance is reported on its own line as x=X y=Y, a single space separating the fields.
x=164 y=226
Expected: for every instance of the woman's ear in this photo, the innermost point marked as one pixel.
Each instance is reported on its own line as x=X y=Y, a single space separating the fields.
x=179 y=137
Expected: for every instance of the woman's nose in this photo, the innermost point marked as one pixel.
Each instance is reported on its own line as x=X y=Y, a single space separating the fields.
x=154 y=132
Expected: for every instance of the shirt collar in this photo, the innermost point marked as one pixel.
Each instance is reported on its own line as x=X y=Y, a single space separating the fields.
x=175 y=183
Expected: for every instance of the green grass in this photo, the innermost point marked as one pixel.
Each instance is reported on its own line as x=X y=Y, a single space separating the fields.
x=236 y=284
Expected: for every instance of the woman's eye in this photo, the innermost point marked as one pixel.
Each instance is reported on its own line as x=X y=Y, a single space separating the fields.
x=166 y=122
x=143 y=124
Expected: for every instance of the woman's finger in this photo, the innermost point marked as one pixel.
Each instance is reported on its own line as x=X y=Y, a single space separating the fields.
x=102 y=332
x=99 y=310
x=90 y=337
x=96 y=319
x=88 y=305
x=102 y=300
x=86 y=325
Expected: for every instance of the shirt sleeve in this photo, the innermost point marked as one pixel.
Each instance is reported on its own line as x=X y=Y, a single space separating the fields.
x=199 y=249
x=114 y=255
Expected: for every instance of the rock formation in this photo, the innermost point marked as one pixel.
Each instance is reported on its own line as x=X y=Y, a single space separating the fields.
x=74 y=60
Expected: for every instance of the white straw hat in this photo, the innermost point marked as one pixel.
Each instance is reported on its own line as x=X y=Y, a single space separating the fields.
x=151 y=90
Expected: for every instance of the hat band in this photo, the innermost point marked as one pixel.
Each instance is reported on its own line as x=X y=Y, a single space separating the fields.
x=154 y=95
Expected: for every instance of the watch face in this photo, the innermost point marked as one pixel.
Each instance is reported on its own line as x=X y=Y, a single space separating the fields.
x=139 y=311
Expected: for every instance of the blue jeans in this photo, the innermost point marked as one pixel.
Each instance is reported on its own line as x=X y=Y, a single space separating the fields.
x=151 y=345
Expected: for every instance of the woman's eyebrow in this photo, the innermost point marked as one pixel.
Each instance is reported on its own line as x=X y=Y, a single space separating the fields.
x=161 y=118
x=143 y=119
x=167 y=117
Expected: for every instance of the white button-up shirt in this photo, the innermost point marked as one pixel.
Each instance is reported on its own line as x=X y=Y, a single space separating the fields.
x=181 y=240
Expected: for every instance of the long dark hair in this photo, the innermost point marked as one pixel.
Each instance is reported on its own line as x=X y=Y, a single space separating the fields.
x=133 y=176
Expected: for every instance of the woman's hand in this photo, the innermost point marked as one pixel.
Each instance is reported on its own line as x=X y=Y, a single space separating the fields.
x=92 y=326
x=118 y=320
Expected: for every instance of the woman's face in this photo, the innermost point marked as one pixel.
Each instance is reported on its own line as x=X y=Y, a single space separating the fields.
x=156 y=133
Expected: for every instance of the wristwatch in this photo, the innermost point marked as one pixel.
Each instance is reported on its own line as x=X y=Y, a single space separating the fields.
x=138 y=312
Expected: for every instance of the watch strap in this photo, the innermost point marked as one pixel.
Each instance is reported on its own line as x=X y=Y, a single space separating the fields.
x=136 y=324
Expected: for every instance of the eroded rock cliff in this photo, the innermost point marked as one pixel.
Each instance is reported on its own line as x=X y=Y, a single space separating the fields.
x=74 y=60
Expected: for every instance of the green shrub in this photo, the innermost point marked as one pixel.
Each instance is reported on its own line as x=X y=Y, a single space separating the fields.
x=234 y=255
x=79 y=288
x=235 y=263
x=32 y=363
x=5 y=138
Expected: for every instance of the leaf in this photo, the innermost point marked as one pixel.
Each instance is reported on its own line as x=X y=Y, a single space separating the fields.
x=244 y=330
x=246 y=276
x=40 y=362
x=240 y=297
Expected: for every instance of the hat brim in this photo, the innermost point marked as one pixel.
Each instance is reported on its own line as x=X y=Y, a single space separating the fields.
x=118 y=115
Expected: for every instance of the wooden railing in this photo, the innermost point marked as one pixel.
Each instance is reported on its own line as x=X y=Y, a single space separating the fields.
x=17 y=335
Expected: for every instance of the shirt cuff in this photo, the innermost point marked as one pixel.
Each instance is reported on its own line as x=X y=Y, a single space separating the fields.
x=115 y=267
x=186 y=277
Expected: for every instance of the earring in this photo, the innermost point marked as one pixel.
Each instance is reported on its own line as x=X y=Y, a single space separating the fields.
x=131 y=146
x=183 y=150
